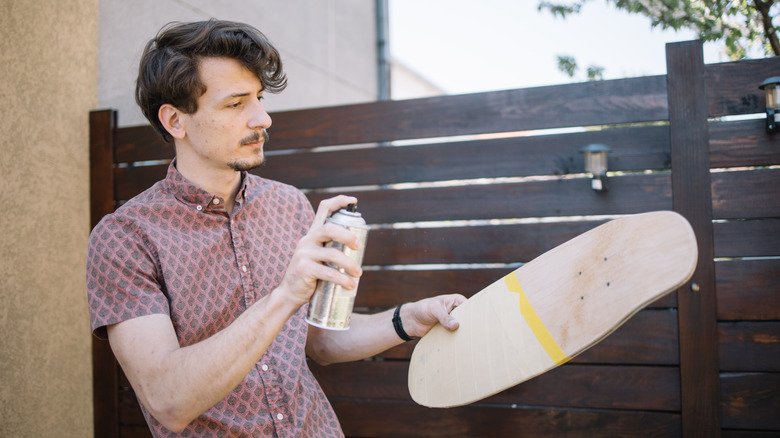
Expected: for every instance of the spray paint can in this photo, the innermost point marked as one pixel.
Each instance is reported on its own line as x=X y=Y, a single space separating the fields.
x=331 y=305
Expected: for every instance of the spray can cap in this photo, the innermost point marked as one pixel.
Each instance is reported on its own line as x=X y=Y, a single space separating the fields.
x=352 y=208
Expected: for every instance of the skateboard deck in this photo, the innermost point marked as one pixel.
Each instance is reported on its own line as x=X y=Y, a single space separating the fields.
x=552 y=308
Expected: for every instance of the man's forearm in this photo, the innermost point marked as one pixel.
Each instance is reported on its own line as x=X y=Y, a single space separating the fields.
x=178 y=384
x=370 y=335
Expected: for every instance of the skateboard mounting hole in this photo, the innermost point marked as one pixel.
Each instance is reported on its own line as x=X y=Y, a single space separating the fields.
x=582 y=298
x=605 y=259
x=607 y=284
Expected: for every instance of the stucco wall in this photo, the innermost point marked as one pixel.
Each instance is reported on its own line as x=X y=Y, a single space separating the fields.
x=48 y=65
x=328 y=47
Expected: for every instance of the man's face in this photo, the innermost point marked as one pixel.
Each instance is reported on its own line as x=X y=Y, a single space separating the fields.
x=228 y=129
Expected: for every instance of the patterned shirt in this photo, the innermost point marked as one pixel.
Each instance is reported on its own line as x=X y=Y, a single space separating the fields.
x=174 y=250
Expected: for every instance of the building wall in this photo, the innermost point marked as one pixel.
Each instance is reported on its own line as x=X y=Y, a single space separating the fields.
x=48 y=83
x=409 y=84
x=328 y=47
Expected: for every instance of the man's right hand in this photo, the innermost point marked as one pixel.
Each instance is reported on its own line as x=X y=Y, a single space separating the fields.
x=307 y=264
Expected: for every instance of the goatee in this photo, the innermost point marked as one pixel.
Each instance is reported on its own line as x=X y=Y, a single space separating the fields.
x=251 y=164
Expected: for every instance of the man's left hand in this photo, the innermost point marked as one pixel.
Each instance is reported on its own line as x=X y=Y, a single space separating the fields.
x=419 y=317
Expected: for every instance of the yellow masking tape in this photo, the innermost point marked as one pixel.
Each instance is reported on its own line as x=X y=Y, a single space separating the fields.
x=536 y=324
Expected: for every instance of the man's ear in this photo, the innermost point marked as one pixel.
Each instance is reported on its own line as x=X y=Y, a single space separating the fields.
x=170 y=118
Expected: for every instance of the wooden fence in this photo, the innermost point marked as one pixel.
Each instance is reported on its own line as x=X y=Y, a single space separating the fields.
x=461 y=189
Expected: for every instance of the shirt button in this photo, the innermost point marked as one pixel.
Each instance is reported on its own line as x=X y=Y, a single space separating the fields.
x=279 y=417
x=199 y=208
x=216 y=201
x=243 y=268
x=265 y=367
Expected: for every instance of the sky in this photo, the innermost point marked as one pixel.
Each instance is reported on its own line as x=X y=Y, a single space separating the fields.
x=469 y=46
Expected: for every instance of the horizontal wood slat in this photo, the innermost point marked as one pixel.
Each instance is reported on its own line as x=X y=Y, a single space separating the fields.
x=389 y=287
x=133 y=180
x=648 y=338
x=572 y=386
x=748 y=289
x=593 y=103
x=751 y=194
x=749 y=346
x=732 y=87
x=360 y=419
x=532 y=199
x=742 y=143
x=751 y=401
x=633 y=149
x=484 y=244
x=598 y=386
x=141 y=143
x=750 y=238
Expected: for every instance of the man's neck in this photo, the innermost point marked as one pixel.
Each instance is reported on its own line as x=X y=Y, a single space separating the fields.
x=221 y=182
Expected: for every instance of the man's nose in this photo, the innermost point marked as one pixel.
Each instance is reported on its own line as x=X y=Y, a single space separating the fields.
x=260 y=118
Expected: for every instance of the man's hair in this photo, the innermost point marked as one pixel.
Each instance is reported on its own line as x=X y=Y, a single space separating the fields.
x=168 y=72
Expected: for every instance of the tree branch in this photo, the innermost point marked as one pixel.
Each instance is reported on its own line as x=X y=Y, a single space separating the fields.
x=766 y=20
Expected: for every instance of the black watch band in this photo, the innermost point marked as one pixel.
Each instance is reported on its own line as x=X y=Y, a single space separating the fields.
x=398 y=325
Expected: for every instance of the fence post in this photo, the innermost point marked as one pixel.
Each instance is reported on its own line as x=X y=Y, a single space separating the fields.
x=101 y=178
x=692 y=197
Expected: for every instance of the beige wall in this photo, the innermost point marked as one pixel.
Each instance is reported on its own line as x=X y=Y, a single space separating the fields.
x=48 y=65
x=328 y=47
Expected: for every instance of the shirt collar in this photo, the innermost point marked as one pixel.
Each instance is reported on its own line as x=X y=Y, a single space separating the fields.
x=193 y=195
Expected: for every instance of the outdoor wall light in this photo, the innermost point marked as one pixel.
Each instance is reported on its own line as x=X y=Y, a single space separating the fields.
x=596 y=165
x=771 y=89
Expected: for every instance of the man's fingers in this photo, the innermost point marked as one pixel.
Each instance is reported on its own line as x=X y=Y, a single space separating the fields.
x=333 y=275
x=458 y=299
x=442 y=312
x=329 y=206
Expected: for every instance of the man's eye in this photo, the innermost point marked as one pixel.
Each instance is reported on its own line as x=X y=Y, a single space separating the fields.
x=234 y=105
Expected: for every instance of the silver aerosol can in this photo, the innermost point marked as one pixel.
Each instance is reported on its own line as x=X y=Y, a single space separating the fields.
x=331 y=305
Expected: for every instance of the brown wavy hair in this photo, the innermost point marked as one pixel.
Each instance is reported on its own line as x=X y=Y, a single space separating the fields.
x=168 y=72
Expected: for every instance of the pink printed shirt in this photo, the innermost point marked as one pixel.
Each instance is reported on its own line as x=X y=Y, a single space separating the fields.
x=174 y=250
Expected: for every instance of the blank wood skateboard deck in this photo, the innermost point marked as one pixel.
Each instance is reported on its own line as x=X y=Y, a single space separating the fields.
x=552 y=308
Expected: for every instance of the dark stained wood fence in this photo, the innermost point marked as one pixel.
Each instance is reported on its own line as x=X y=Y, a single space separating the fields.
x=461 y=189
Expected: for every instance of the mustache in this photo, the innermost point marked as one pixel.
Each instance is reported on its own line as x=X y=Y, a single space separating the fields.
x=254 y=137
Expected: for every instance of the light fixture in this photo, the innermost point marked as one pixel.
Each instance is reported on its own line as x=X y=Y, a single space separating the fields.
x=771 y=87
x=596 y=165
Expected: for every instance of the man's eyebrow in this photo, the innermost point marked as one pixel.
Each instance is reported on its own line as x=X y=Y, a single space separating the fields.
x=234 y=95
x=240 y=94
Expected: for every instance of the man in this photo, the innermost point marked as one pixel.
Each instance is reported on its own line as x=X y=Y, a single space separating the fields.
x=201 y=282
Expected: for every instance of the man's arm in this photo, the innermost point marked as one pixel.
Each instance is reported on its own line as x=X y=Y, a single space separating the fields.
x=372 y=334
x=177 y=384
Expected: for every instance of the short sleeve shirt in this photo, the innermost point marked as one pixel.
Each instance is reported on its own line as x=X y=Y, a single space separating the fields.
x=174 y=250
